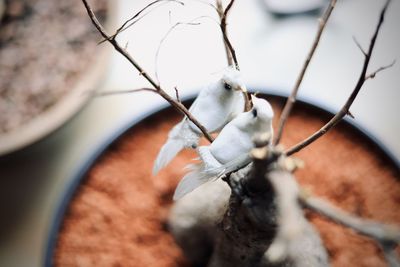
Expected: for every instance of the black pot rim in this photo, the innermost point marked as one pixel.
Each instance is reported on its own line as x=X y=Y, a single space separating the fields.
x=81 y=171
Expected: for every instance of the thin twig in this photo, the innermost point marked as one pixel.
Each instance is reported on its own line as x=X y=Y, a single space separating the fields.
x=359 y=45
x=136 y=16
x=119 y=92
x=177 y=95
x=223 y=16
x=292 y=98
x=220 y=10
x=373 y=74
x=179 y=106
x=345 y=109
x=207 y=3
x=115 y=44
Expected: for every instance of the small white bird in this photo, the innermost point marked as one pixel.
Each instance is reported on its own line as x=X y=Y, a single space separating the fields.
x=214 y=107
x=230 y=150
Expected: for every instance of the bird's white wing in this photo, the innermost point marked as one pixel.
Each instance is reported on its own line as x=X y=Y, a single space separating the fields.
x=228 y=167
x=190 y=181
x=209 y=113
x=207 y=158
x=231 y=143
x=214 y=106
x=198 y=174
x=179 y=137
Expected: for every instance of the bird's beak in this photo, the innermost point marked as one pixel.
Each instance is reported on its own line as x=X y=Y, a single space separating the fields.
x=243 y=89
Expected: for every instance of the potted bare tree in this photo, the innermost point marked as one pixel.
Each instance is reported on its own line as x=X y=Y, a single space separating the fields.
x=253 y=215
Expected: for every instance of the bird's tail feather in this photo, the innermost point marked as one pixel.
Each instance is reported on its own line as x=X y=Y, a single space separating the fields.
x=191 y=181
x=168 y=151
x=180 y=136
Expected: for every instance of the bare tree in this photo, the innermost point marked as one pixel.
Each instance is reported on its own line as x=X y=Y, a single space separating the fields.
x=257 y=217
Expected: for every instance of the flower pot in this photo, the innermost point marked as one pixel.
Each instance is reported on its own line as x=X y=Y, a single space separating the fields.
x=74 y=89
x=114 y=212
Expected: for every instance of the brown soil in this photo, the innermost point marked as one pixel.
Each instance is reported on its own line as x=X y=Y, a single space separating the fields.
x=117 y=216
x=44 y=46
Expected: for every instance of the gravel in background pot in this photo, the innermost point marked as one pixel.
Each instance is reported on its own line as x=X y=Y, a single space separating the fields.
x=49 y=63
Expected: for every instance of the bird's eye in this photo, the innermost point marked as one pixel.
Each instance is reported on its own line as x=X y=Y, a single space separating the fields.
x=227 y=86
x=254 y=111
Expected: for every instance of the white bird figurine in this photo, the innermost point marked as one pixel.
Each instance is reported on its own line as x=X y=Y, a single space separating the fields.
x=214 y=107
x=231 y=149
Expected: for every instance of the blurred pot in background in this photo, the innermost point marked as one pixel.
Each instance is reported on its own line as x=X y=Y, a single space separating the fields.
x=49 y=64
x=2 y=7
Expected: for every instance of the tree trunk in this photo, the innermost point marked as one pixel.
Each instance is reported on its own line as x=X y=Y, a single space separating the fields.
x=217 y=227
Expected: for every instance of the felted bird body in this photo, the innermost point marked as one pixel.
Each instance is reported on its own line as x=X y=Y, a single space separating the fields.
x=230 y=150
x=214 y=107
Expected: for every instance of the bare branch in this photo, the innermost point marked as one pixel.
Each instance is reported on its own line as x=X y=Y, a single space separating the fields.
x=205 y=2
x=119 y=92
x=345 y=109
x=359 y=46
x=223 y=13
x=179 y=106
x=136 y=16
x=373 y=74
x=230 y=51
x=220 y=10
x=391 y=256
x=290 y=216
x=177 y=95
x=382 y=233
x=126 y=45
x=387 y=236
x=292 y=98
x=115 y=44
